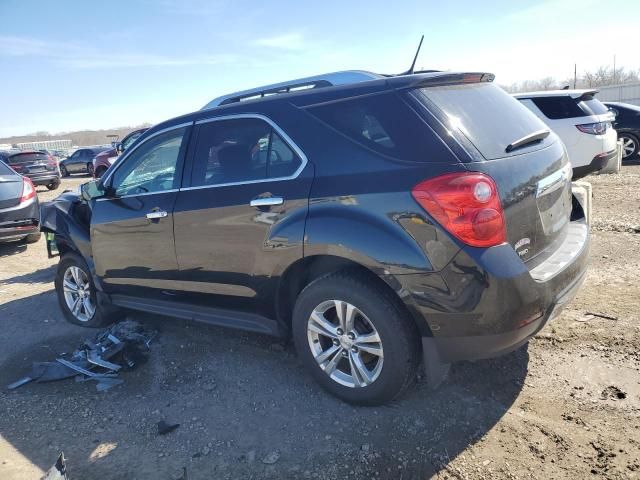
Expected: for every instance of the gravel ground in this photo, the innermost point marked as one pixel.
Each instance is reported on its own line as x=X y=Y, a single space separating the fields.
x=567 y=405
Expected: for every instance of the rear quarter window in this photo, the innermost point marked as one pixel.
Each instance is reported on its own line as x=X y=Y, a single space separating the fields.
x=383 y=123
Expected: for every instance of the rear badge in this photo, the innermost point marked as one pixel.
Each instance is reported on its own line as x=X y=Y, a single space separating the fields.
x=522 y=243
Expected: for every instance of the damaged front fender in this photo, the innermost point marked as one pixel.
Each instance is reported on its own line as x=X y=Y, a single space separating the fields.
x=68 y=218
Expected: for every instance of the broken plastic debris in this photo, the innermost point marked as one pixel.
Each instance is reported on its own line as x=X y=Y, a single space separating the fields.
x=123 y=345
x=58 y=471
x=164 y=427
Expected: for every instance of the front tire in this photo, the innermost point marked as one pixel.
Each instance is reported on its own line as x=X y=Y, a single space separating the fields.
x=77 y=294
x=63 y=171
x=354 y=339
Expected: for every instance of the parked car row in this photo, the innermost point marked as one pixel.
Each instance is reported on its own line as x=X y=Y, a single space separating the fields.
x=627 y=124
x=104 y=159
x=582 y=122
x=376 y=220
x=19 y=208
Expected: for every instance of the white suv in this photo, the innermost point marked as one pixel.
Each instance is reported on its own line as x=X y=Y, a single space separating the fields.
x=581 y=121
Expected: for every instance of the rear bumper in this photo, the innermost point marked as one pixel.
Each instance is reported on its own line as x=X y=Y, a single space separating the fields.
x=487 y=302
x=597 y=163
x=18 y=222
x=45 y=179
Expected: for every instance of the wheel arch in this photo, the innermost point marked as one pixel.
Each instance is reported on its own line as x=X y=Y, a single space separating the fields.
x=307 y=269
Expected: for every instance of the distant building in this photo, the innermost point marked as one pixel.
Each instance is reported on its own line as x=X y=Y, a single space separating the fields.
x=626 y=93
x=46 y=145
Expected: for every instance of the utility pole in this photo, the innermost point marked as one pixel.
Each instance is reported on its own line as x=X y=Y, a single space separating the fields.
x=575 y=74
x=614 y=68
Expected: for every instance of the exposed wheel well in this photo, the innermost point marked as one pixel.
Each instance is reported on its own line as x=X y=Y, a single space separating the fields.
x=308 y=269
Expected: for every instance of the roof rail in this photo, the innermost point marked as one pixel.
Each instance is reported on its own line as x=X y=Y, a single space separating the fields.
x=318 y=81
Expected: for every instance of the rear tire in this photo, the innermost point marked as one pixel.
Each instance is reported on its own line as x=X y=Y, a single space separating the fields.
x=630 y=145
x=53 y=186
x=77 y=294
x=100 y=172
x=33 y=238
x=388 y=372
x=90 y=169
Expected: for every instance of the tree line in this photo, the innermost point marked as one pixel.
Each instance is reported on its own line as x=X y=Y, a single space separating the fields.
x=601 y=77
x=83 y=138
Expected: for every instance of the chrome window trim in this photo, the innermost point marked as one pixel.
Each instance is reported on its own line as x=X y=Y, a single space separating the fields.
x=286 y=138
x=173 y=190
x=130 y=152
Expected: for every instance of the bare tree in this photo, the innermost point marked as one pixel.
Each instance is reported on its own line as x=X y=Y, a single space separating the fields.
x=603 y=76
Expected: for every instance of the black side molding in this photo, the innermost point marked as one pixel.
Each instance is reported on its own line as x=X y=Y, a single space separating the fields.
x=215 y=316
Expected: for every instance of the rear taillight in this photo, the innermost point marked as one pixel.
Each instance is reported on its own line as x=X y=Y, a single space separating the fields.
x=467 y=205
x=598 y=128
x=28 y=190
x=51 y=161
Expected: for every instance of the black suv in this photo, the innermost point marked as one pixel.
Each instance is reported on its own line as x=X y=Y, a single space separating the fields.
x=39 y=166
x=377 y=220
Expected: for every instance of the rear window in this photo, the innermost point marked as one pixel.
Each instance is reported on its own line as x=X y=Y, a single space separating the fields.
x=593 y=107
x=484 y=113
x=27 y=158
x=383 y=123
x=556 y=108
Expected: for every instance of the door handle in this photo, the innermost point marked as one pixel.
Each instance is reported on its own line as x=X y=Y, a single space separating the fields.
x=266 y=201
x=156 y=214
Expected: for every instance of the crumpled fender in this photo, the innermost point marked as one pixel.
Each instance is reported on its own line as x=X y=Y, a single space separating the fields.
x=68 y=217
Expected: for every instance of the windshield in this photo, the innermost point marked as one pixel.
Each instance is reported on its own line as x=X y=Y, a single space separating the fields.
x=487 y=115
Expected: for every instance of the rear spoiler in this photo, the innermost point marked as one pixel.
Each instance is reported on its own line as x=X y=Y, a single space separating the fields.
x=586 y=96
x=431 y=80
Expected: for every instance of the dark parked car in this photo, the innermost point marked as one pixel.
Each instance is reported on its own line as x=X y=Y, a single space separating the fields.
x=40 y=167
x=104 y=159
x=378 y=220
x=19 y=208
x=627 y=124
x=81 y=161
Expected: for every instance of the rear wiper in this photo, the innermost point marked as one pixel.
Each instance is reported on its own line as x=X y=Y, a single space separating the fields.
x=534 y=137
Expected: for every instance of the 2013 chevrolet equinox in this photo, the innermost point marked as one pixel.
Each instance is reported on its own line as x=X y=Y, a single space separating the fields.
x=376 y=219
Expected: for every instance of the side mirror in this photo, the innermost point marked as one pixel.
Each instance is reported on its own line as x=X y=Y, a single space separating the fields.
x=119 y=148
x=91 y=190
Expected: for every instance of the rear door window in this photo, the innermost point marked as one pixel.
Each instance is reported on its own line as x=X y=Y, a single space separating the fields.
x=241 y=151
x=488 y=116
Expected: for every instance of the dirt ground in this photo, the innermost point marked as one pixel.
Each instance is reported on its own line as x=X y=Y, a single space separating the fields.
x=567 y=405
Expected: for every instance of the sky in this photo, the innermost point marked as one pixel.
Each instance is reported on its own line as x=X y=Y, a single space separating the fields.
x=74 y=64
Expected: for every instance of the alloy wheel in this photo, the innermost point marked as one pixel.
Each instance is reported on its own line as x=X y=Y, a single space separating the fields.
x=77 y=294
x=628 y=146
x=345 y=343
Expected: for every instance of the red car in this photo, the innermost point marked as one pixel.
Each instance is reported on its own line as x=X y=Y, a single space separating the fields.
x=104 y=160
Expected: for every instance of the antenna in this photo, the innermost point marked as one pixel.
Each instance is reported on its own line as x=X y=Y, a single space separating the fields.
x=413 y=64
